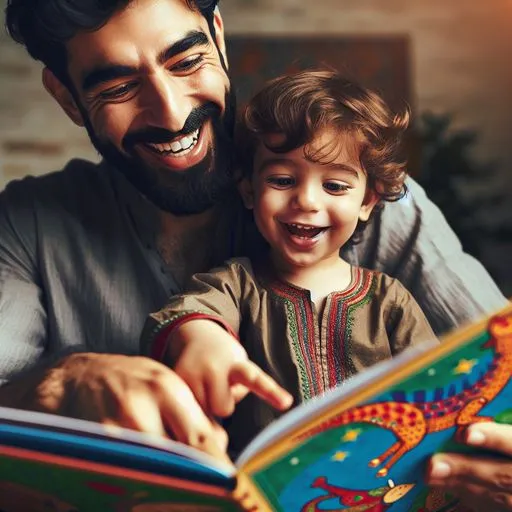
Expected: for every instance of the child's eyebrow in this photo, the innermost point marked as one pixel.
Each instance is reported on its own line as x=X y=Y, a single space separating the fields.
x=347 y=168
x=273 y=161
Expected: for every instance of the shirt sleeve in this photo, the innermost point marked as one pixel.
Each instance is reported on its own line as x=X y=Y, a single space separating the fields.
x=411 y=240
x=22 y=312
x=217 y=295
x=406 y=323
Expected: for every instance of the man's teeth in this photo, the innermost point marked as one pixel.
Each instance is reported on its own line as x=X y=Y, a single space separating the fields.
x=178 y=146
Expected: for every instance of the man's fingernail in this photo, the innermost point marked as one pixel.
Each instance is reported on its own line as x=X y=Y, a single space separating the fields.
x=475 y=437
x=440 y=469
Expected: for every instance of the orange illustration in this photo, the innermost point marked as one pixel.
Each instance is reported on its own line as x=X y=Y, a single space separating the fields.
x=411 y=422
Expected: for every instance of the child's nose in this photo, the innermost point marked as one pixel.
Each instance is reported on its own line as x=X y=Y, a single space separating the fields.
x=307 y=199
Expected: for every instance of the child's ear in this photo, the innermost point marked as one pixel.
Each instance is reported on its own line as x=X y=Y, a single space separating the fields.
x=247 y=193
x=371 y=198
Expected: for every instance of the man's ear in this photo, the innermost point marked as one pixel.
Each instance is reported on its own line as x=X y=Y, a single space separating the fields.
x=219 y=34
x=63 y=97
x=247 y=193
x=371 y=198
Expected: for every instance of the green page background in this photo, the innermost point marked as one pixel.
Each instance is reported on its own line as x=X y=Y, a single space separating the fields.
x=51 y=488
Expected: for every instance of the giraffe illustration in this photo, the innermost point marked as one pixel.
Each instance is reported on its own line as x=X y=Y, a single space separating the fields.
x=373 y=500
x=410 y=422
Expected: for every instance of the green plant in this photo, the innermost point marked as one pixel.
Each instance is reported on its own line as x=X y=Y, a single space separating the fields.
x=467 y=191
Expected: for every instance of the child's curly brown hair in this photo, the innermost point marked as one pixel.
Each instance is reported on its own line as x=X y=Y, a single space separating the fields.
x=302 y=105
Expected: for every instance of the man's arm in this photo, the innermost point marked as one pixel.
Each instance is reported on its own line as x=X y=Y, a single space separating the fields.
x=22 y=313
x=411 y=240
x=132 y=392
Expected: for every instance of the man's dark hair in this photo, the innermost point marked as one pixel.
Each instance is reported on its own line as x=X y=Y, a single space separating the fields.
x=43 y=26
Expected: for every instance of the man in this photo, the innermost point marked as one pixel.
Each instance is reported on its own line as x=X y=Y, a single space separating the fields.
x=87 y=253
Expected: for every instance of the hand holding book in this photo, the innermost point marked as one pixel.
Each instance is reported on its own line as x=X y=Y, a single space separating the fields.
x=483 y=483
x=121 y=391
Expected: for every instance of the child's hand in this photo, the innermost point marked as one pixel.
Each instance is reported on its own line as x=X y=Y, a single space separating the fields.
x=216 y=367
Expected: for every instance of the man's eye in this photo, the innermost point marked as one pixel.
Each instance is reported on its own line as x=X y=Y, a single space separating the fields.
x=336 y=187
x=117 y=92
x=188 y=63
x=280 y=181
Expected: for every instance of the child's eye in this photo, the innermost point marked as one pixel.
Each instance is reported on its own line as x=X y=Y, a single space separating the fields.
x=280 y=181
x=335 y=187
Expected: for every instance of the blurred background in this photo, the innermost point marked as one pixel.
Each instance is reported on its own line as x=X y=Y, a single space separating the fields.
x=449 y=61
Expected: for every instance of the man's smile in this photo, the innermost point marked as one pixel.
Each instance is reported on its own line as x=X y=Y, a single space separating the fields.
x=179 y=153
x=177 y=146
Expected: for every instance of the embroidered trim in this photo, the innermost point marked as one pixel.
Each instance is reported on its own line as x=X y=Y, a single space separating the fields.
x=340 y=323
x=301 y=325
x=308 y=352
x=160 y=333
x=303 y=330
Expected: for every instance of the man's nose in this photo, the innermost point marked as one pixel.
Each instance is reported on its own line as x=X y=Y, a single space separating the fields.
x=166 y=103
x=307 y=198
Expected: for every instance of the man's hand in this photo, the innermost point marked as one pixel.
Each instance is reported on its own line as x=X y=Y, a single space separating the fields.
x=217 y=369
x=483 y=483
x=130 y=392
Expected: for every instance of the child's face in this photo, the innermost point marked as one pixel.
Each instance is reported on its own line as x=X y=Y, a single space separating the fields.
x=307 y=211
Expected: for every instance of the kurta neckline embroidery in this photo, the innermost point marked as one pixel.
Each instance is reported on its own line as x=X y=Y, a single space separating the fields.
x=321 y=348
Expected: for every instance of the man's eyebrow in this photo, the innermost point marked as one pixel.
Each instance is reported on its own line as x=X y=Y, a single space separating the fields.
x=102 y=74
x=191 y=39
x=105 y=73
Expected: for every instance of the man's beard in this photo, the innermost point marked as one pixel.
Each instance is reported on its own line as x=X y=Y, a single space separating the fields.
x=185 y=192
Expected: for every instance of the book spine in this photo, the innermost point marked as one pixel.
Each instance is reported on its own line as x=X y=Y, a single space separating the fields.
x=248 y=496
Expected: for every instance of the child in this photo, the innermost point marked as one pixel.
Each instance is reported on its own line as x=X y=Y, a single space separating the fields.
x=319 y=153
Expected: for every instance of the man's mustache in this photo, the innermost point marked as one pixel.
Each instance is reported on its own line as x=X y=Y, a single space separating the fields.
x=154 y=135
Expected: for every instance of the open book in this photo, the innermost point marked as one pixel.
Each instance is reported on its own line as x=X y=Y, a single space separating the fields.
x=360 y=447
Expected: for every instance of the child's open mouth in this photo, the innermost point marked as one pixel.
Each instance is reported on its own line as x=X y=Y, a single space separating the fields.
x=304 y=231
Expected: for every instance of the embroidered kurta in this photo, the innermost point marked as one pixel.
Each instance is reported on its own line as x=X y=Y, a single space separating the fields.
x=80 y=270
x=305 y=350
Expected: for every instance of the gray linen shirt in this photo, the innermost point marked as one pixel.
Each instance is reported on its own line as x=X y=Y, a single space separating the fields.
x=79 y=269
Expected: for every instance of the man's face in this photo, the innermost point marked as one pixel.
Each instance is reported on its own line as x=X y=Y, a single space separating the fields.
x=156 y=101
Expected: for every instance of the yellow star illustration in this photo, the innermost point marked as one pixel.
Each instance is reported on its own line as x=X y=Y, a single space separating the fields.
x=340 y=456
x=351 y=435
x=465 y=366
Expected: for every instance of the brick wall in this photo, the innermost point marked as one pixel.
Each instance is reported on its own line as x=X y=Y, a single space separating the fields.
x=461 y=64
x=35 y=135
x=461 y=51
